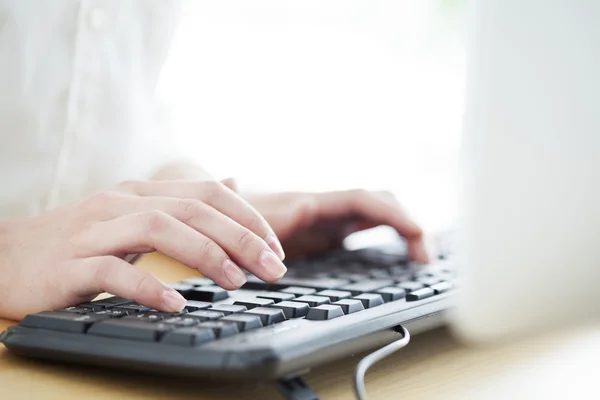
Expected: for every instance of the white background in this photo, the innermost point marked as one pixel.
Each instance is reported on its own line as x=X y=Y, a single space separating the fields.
x=322 y=95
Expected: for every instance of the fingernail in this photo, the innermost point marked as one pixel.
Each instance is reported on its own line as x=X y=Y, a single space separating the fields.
x=275 y=245
x=272 y=264
x=234 y=274
x=172 y=300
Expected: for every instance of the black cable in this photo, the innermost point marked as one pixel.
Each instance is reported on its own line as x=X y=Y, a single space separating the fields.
x=371 y=359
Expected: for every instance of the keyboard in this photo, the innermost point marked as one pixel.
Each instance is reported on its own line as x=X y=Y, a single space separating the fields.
x=324 y=308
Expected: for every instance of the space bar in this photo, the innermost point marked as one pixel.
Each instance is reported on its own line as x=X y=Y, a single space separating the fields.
x=319 y=284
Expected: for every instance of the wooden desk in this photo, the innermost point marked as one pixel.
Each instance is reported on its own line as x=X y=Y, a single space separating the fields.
x=432 y=366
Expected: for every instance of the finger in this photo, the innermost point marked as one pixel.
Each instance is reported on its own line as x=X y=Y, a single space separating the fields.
x=378 y=209
x=155 y=230
x=115 y=276
x=241 y=244
x=218 y=196
x=230 y=183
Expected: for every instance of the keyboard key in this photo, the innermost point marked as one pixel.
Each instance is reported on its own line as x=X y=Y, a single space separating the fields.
x=420 y=294
x=80 y=310
x=207 y=293
x=292 y=309
x=199 y=281
x=349 y=306
x=370 y=300
x=222 y=329
x=334 y=295
x=205 y=315
x=191 y=336
x=299 y=291
x=182 y=288
x=441 y=287
x=112 y=313
x=250 y=304
x=391 y=293
x=182 y=321
x=314 y=283
x=313 y=301
x=62 y=321
x=228 y=308
x=429 y=281
x=367 y=286
x=276 y=296
x=268 y=316
x=324 y=312
x=110 y=302
x=410 y=286
x=196 y=305
x=353 y=277
x=126 y=328
x=245 y=322
x=134 y=307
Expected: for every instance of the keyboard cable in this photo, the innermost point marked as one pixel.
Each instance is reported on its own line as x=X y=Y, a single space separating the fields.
x=378 y=355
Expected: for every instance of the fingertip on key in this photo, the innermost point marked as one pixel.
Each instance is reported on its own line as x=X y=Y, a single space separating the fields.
x=273 y=266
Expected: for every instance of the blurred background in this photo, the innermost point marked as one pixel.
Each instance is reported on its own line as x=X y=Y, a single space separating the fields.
x=324 y=94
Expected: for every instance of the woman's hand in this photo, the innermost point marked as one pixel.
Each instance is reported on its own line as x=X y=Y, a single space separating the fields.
x=310 y=222
x=71 y=254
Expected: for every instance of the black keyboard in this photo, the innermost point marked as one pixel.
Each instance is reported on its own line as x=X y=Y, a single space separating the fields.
x=324 y=308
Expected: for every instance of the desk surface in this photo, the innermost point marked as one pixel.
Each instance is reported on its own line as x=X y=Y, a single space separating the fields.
x=432 y=365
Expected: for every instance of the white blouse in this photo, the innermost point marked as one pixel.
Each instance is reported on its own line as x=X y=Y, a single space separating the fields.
x=78 y=104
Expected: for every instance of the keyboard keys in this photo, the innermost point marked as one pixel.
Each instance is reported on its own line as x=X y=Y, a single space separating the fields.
x=313 y=301
x=207 y=293
x=349 y=306
x=441 y=287
x=62 y=321
x=292 y=309
x=367 y=286
x=298 y=291
x=222 y=329
x=277 y=296
x=151 y=316
x=191 y=336
x=228 y=308
x=268 y=316
x=196 y=305
x=245 y=322
x=250 y=304
x=410 y=286
x=420 y=294
x=370 y=300
x=324 y=312
x=182 y=288
x=353 y=277
x=205 y=315
x=199 y=281
x=334 y=295
x=126 y=328
x=182 y=321
x=391 y=293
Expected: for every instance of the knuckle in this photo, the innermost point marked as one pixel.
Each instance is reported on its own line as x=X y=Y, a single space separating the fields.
x=305 y=209
x=210 y=191
x=209 y=250
x=128 y=186
x=247 y=241
x=141 y=283
x=155 y=221
x=192 y=210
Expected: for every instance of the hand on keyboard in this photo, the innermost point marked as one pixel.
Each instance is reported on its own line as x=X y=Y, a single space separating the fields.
x=314 y=222
x=69 y=255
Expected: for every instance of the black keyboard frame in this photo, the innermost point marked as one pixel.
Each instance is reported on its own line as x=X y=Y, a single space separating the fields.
x=284 y=349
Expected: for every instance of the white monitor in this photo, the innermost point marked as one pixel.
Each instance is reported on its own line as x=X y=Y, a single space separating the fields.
x=531 y=192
